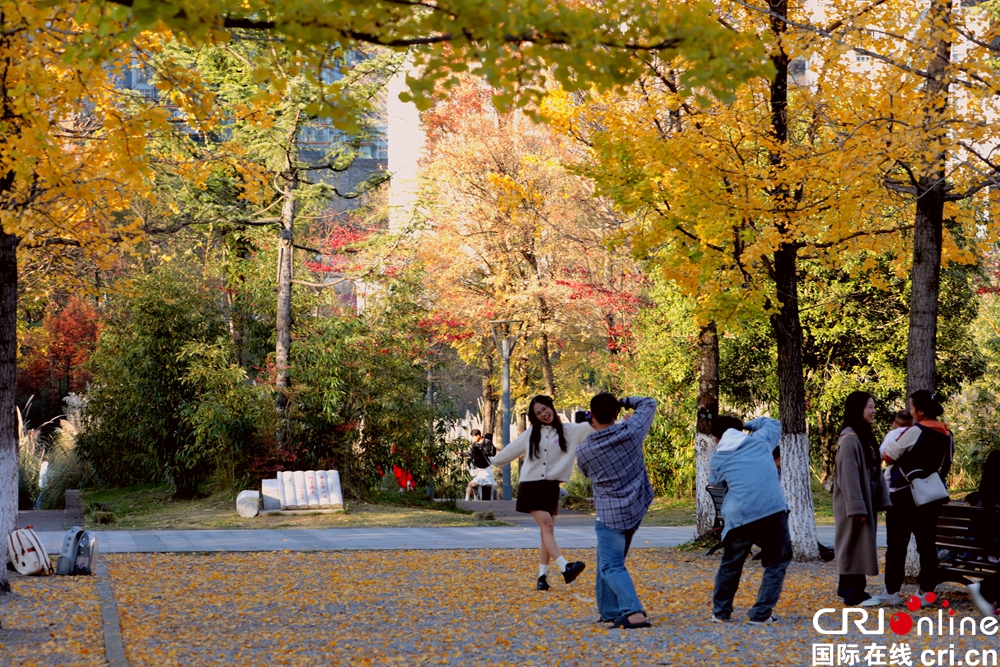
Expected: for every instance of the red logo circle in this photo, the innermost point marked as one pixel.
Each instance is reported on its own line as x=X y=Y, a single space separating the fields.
x=913 y=603
x=901 y=623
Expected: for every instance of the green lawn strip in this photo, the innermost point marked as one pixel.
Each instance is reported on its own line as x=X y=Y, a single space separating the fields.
x=152 y=507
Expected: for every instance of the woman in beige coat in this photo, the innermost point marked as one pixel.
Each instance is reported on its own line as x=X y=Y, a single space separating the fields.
x=859 y=491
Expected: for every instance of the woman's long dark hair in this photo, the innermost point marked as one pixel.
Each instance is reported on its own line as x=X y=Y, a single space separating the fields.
x=536 y=426
x=854 y=417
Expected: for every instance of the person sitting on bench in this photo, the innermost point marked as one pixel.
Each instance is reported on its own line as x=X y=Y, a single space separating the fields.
x=985 y=594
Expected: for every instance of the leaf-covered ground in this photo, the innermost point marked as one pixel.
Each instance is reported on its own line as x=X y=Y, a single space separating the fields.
x=51 y=621
x=449 y=608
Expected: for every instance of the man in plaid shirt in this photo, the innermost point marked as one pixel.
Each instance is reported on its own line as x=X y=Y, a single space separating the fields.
x=613 y=460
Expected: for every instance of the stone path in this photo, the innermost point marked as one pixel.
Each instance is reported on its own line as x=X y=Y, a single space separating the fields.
x=376 y=539
x=503 y=510
x=44 y=521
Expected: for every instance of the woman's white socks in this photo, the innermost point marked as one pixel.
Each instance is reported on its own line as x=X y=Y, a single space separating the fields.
x=543 y=570
x=561 y=563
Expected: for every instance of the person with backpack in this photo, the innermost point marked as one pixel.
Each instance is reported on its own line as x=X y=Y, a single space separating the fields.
x=479 y=464
x=918 y=453
x=859 y=492
x=549 y=449
x=754 y=510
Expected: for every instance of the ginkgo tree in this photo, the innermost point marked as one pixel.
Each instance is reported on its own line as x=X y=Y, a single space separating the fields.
x=930 y=78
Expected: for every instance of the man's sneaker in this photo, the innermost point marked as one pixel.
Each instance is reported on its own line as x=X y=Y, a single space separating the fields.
x=543 y=584
x=982 y=604
x=719 y=619
x=885 y=597
x=773 y=618
x=573 y=571
x=871 y=601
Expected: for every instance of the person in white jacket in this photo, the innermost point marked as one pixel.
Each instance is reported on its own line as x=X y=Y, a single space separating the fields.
x=549 y=447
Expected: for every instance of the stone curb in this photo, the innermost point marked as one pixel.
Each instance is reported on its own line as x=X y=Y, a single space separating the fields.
x=114 y=650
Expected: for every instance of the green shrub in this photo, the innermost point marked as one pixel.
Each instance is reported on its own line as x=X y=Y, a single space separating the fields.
x=137 y=426
x=65 y=471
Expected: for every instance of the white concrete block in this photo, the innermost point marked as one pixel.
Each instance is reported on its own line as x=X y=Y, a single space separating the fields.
x=301 y=497
x=333 y=481
x=312 y=495
x=270 y=490
x=248 y=503
x=288 y=491
x=323 y=488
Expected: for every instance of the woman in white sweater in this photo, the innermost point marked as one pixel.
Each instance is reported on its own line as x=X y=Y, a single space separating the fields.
x=549 y=447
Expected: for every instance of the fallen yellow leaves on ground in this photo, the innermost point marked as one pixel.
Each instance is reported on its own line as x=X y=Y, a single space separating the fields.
x=50 y=622
x=452 y=608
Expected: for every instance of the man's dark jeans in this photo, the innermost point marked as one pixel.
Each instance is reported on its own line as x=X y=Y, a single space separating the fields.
x=990 y=588
x=901 y=520
x=771 y=533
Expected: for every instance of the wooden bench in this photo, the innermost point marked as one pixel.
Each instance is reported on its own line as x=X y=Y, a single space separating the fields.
x=717 y=493
x=965 y=538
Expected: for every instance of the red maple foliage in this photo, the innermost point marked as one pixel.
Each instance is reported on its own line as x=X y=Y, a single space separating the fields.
x=56 y=353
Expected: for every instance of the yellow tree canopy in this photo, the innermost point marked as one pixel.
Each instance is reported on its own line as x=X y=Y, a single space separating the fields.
x=72 y=155
x=716 y=193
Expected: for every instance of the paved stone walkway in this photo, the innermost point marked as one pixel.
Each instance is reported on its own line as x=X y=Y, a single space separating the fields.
x=503 y=510
x=44 y=521
x=375 y=539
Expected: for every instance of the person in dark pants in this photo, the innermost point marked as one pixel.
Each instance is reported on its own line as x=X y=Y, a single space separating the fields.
x=612 y=458
x=754 y=510
x=925 y=448
x=985 y=594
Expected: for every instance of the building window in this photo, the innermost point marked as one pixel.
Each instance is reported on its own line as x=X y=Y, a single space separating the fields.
x=141 y=75
x=798 y=67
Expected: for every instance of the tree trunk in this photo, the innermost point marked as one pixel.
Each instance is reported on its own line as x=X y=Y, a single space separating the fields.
x=284 y=314
x=490 y=399
x=708 y=408
x=795 y=474
x=543 y=353
x=8 y=418
x=921 y=348
x=926 y=282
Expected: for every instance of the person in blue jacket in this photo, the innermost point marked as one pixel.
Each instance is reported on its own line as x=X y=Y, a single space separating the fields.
x=754 y=510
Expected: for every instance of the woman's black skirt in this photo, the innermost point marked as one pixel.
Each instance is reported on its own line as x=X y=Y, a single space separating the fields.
x=542 y=495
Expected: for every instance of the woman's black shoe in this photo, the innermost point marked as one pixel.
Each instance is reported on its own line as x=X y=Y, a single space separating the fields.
x=573 y=571
x=543 y=584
